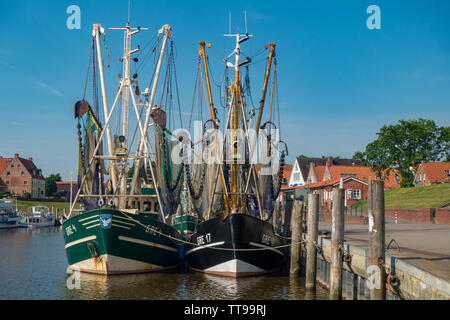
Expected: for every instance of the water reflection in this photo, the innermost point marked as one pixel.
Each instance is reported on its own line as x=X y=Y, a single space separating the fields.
x=189 y=286
x=33 y=265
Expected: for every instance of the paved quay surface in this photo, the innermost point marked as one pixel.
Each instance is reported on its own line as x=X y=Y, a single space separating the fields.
x=426 y=246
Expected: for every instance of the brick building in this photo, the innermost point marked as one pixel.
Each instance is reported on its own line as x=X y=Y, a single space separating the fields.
x=63 y=189
x=432 y=173
x=301 y=168
x=20 y=175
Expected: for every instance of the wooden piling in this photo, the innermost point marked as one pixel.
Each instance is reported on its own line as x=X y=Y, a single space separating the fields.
x=337 y=244
x=377 y=284
x=277 y=216
x=311 y=240
x=287 y=217
x=296 y=238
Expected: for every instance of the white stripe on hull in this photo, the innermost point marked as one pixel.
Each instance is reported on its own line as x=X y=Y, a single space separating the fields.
x=109 y=264
x=147 y=243
x=95 y=216
x=206 y=246
x=267 y=247
x=79 y=241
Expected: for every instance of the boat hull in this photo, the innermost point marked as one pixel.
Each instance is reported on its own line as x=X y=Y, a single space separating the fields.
x=10 y=223
x=107 y=241
x=239 y=246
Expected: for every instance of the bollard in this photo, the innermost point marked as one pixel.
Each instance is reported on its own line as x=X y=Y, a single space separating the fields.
x=296 y=237
x=311 y=240
x=377 y=283
x=337 y=244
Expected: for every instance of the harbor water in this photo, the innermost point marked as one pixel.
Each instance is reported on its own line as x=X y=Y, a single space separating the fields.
x=33 y=265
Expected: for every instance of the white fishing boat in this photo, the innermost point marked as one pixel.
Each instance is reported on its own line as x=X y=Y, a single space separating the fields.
x=37 y=217
x=8 y=217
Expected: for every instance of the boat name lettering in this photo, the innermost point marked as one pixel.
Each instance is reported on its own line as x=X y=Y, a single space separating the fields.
x=70 y=230
x=152 y=230
x=201 y=239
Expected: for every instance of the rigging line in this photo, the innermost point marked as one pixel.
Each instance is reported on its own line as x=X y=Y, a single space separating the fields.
x=278 y=103
x=89 y=68
x=195 y=91
x=147 y=54
x=178 y=94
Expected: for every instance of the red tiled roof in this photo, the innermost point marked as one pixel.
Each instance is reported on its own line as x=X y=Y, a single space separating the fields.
x=360 y=171
x=29 y=164
x=320 y=170
x=3 y=164
x=287 y=172
x=436 y=171
x=322 y=184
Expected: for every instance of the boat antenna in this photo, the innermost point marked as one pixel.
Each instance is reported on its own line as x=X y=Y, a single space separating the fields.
x=245 y=18
x=129 y=5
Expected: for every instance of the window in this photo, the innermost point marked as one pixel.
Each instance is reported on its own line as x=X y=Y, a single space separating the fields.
x=12 y=166
x=18 y=166
x=448 y=173
x=22 y=173
x=296 y=176
x=356 y=194
x=7 y=182
x=25 y=182
x=8 y=173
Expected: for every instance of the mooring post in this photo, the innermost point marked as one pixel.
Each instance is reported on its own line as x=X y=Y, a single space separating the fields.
x=337 y=244
x=296 y=238
x=311 y=240
x=376 y=270
x=277 y=216
x=287 y=216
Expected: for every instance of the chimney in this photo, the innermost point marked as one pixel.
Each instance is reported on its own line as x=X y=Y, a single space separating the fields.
x=329 y=161
x=31 y=159
x=16 y=155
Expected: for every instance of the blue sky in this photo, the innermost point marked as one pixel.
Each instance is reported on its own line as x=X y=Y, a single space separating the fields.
x=339 y=82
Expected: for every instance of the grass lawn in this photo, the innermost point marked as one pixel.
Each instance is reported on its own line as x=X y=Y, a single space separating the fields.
x=432 y=196
x=22 y=205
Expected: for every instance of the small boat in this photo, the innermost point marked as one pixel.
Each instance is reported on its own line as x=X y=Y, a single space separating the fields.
x=8 y=217
x=37 y=217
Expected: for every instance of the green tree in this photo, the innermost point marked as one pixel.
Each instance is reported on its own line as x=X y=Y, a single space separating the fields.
x=50 y=184
x=361 y=156
x=405 y=145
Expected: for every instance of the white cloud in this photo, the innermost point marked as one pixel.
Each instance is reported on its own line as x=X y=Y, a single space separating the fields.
x=52 y=90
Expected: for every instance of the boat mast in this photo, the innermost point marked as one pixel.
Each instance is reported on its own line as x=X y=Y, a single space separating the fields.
x=125 y=87
x=167 y=30
x=113 y=170
x=235 y=104
x=202 y=53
